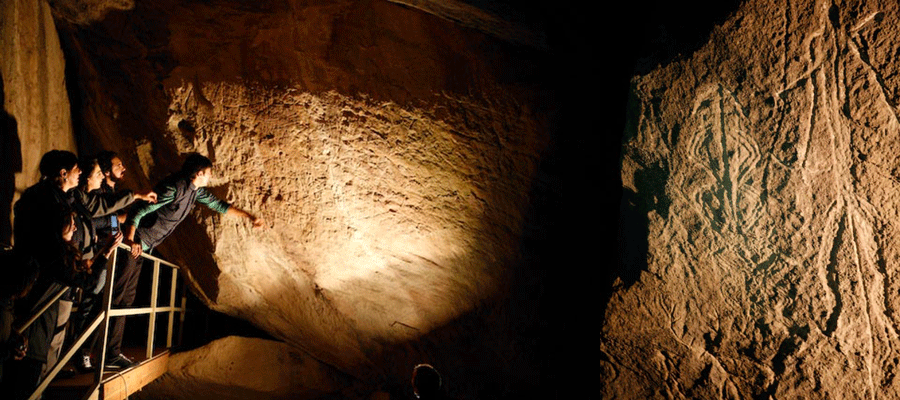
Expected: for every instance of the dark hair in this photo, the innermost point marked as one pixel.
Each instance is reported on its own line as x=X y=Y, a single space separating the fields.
x=426 y=381
x=70 y=253
x=87 y=166
x=104 y=160
x=55 y=160
x=194 y=164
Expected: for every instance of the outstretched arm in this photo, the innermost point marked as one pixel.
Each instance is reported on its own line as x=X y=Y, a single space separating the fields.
x=237 y=212
x=208 y=199
x=101 y=204
x=98 y=204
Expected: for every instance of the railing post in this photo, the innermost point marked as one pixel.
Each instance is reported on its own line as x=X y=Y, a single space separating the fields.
x=107 y=305
x=154 y=291
x=183 y=313
x=174 y=284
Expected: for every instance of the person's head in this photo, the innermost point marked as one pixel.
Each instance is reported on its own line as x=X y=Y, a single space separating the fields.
x=61 y=167
x=67 y=225
x=67 y=222
x=91 y=175
x=426 y=382
x=198 y=169
x=111 y=166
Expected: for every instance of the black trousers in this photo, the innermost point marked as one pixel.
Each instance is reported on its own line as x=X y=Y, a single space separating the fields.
x=124 y=289
x=88 y=309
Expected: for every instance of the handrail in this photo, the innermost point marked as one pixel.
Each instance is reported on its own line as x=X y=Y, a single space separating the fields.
x=101 y=322
x=62 y=290
x=124 y=246
x=45 y=307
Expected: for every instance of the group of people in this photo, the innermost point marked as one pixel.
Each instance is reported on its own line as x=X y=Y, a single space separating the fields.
x=65 y=229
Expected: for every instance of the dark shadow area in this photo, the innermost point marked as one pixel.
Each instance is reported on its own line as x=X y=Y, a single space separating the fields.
x=594 y=232
x=10 y=164
x=668 y=31
x=77 y=89
x=201 y=325
x=634 y=227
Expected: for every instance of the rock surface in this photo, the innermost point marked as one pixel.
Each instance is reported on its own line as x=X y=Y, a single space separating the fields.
x=230 y=368
x=391 y=152
x=35 y=117
x=761 y=179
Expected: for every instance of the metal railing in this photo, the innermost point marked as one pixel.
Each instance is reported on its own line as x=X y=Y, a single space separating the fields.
x=102 y=320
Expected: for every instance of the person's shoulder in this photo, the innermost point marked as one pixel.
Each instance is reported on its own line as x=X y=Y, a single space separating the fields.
x=40 y=192
x=28 y=194
x=175 y=179
x=80 y=193
x=105 y=188
x=167 y=183
x=40 y=186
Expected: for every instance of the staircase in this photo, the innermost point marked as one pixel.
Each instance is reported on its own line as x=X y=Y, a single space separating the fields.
x=150 y=363
x=114 y=386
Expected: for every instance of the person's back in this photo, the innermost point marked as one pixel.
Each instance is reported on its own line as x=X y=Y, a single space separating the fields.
x=32 y=219
x=177 y=197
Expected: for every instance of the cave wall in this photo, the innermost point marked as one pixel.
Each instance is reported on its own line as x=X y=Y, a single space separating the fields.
x=392 y=153
x=760 y=177
x=225 y=369
x=35 y=117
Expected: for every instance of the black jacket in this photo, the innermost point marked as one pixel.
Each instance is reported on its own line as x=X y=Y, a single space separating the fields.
x=176 y=197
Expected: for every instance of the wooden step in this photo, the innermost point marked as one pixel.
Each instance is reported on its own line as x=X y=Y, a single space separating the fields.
x=116 y=385
x=121 y=385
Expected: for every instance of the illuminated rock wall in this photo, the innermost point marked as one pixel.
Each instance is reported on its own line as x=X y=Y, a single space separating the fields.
x=230 y=368
x=763 y=171
x=391 y=152
x=35 y=115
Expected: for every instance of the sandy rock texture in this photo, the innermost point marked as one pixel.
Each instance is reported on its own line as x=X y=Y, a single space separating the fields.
x=35 y=115
x=761 y=181
x=229 y=368
x=84 y=12
x=391 y=152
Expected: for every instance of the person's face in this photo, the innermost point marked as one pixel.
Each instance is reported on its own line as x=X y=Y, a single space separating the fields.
x=70 y=178
x=95 y=179
x=203 y=178
x=69 y=229
x=117 y=172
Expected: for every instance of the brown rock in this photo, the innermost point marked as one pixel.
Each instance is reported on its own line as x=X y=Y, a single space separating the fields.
x=765 y=167
x=243 y=368
x=35 y=116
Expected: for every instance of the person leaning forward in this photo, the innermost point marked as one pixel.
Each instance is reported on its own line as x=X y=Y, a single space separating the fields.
x=150 y=224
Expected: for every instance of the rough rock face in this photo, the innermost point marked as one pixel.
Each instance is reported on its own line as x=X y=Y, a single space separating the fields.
x=391 y=152
x=35 y=115
x=761 y=176
x=87 y=11
x=226 y=368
